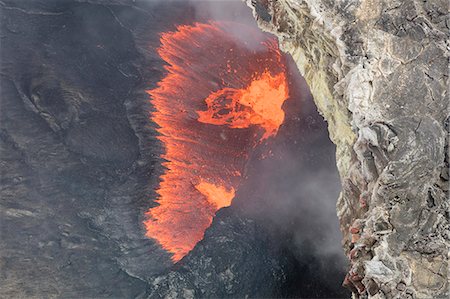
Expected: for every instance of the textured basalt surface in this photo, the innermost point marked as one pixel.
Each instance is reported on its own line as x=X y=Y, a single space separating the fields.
x=378 y=71
x=74 y=179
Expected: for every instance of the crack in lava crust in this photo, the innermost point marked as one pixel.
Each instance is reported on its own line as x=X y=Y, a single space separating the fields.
x=218 y=100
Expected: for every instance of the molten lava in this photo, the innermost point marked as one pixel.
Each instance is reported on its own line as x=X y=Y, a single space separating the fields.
x=216 y=195
x=218 y=100
x=258 y=104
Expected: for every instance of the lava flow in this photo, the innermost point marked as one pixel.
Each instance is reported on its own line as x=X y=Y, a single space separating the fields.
x=219 y=99
x=258 y=104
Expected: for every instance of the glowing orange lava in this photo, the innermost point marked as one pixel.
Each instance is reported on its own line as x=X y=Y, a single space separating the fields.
x=216 y=195
x=218 y=100
x=258 y=104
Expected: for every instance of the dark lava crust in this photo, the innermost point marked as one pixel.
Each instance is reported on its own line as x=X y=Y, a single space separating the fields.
x=79 y=162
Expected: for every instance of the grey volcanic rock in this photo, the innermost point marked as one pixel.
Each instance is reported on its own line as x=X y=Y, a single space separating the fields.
x=378 y=71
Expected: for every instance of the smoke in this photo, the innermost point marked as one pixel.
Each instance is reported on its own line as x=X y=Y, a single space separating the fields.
x=292 y=183
x=296 y=198
x=293 y=190
x=235 y=14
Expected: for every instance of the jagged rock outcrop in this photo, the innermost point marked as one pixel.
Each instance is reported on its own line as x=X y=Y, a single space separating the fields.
x=378 y=71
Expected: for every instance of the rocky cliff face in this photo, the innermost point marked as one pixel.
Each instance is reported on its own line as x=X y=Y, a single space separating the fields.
x=378 y=72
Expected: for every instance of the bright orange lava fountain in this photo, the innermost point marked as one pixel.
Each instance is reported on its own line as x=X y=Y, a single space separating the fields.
x=218 y=100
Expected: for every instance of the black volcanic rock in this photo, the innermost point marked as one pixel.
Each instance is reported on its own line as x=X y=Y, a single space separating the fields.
x=80 y=162
x=75 y=181
x=232 y=261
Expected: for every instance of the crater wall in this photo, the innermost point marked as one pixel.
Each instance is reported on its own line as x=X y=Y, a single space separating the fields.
x=378 y=71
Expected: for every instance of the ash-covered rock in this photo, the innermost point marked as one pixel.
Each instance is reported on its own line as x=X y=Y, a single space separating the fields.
x=378 y=71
